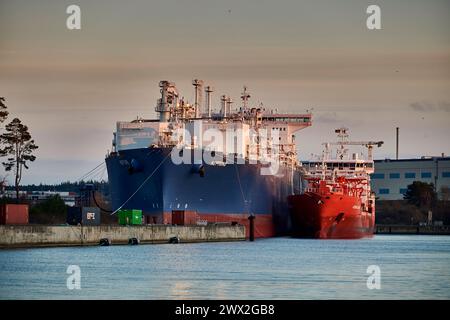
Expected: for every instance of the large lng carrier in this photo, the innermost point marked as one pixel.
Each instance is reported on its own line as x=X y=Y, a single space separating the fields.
x=211 y=167
x=338 y=202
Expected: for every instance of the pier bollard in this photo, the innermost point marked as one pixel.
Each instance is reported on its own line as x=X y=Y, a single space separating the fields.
x=104 y=242
x=251 y=219
x=174 y=240
x=133 y=241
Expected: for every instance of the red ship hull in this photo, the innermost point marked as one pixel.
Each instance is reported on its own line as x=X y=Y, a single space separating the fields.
x=330 y=216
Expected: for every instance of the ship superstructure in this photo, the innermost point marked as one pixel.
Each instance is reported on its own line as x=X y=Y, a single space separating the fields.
x=249 y=123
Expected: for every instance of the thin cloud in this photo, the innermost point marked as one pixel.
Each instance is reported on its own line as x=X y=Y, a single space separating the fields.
x=422 y=106
x=427 y=106
x=444 y=106
x=328 y=117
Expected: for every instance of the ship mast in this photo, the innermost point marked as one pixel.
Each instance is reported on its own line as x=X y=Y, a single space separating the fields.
x=245 y=96
x=343 y=141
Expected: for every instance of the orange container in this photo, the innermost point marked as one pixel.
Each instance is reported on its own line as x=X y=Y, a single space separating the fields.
x=14 y=214
x=190 y=217
x=184 y=217
x=178 y=217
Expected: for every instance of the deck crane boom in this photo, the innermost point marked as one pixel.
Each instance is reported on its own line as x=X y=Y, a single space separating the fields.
x=343 y=141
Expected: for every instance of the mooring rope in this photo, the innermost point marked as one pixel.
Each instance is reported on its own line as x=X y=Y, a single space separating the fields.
x=96 y=203
x=142 y=184
x=240 y=187
x=246 y=208
x=91 y=172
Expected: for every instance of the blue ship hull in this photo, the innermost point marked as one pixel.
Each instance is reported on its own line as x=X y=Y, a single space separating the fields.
x=147 y=179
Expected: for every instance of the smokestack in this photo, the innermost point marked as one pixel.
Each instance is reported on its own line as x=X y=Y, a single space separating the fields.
x=229 y=102
x=223 y=100
x=198 y=85
x=208 y=91
x=396 y=143
x=169 y=96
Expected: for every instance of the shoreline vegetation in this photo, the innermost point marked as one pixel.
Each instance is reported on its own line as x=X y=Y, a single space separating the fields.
x=401 y=212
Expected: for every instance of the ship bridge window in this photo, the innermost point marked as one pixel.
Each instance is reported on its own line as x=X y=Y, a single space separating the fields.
x=394 y=176
x=349 y=165
x=377 y=176
x=410 y=175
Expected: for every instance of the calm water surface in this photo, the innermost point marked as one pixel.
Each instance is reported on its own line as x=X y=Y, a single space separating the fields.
x=412 y=267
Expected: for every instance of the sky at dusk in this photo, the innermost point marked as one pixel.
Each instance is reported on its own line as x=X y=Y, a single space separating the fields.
x=71 y=86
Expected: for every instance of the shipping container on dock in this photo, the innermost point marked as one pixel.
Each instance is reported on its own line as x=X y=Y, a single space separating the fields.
x=130 y=217
x=89 y=216
x=14 y=214
x=74 y=216
x=184 y=217
x=122 y=215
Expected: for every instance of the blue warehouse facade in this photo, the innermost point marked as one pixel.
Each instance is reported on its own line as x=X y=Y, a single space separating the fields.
x=392 y=177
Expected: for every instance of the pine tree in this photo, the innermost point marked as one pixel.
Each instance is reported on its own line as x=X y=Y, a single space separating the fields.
x=3 y=112
x=421 y=194
x=18 y=146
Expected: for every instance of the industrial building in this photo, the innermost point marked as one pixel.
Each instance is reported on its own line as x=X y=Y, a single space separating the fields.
x=392 y=177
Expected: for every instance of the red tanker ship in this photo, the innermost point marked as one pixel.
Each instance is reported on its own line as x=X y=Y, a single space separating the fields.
x=338 y=202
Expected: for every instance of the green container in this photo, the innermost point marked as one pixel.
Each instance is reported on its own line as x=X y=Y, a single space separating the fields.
x=122 y=216
x=135 y=217
x=130 y=217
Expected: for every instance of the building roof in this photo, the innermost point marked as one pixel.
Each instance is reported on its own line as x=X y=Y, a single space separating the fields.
x=423 y=159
